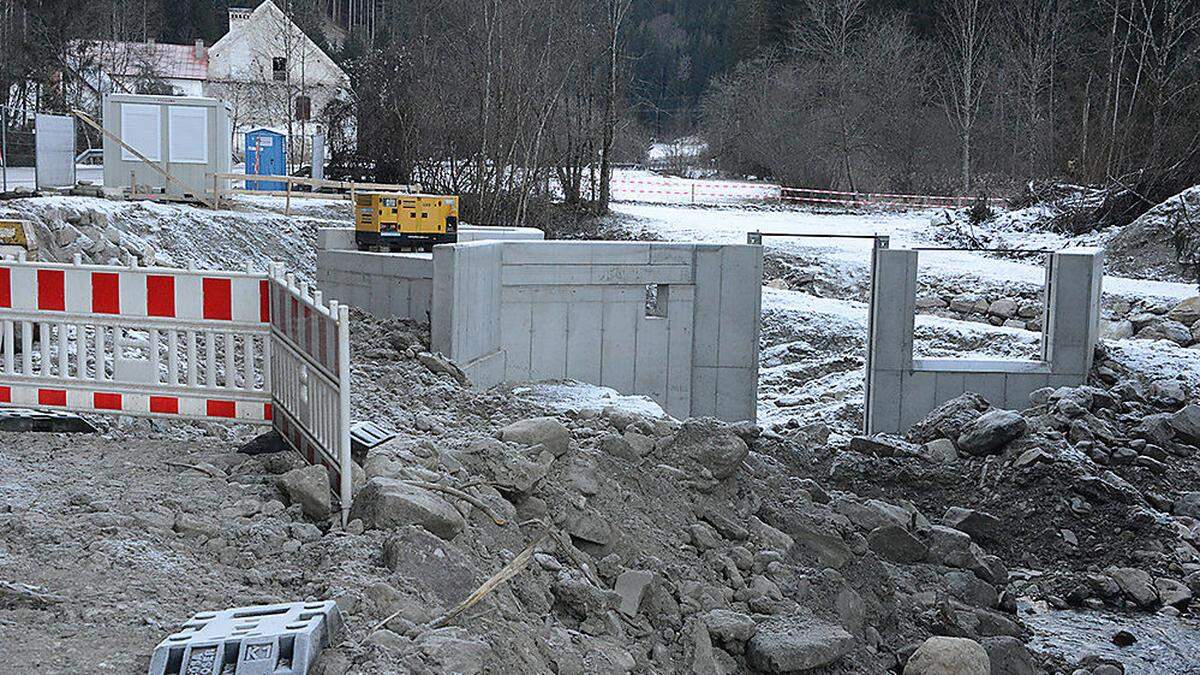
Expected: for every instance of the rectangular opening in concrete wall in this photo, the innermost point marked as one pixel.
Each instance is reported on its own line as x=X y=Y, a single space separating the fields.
x=985 y=319
x=657 y=299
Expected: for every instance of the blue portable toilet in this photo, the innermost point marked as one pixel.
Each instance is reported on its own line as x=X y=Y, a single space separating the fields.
x=266 y=155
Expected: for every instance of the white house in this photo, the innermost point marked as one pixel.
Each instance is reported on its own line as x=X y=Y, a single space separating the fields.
x=272 y=73
x=265 y=67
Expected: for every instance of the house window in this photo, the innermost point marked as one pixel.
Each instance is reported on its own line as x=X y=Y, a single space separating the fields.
x=279 y=68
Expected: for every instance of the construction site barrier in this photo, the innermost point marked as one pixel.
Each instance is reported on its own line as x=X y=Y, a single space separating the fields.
x=836 y=197
x=691 y=191
x=695 y=191
x=180 y=343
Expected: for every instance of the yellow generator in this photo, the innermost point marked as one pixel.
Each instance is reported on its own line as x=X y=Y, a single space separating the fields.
x=16 y=236
x=393 y=220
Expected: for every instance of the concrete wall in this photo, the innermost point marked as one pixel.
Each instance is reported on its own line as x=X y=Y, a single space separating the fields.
x=389 y=284
x=194 y=174
x=515 y=311
x=900 y=389
x=383 y=284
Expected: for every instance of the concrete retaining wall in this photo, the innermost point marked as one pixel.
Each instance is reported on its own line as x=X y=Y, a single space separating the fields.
x=515 y=311
x=900 y=390
x=389 y=284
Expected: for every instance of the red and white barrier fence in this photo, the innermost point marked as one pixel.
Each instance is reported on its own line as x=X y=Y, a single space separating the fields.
x=836 y=197
x=688 y=191
x=310 y=370
x=197 y=345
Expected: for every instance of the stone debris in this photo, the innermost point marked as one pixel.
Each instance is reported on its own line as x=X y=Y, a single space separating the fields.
x=609 y=541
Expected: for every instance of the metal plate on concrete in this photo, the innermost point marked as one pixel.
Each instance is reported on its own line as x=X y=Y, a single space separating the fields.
x=367 y=435
x=43 y=421
x=281 y=639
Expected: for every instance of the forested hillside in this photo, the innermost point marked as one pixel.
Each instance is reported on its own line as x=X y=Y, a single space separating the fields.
x=948 y=95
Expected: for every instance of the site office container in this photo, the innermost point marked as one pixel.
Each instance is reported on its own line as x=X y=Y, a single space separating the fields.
x=188 y=137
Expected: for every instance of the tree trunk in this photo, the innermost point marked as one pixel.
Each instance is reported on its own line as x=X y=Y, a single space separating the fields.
x=966 y=161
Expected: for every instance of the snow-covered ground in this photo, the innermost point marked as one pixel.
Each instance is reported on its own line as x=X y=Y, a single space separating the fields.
x=906 y=229
x=812 y=368
x=25 y=176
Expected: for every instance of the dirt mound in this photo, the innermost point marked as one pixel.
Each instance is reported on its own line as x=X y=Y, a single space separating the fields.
x=1145 y=249
x=620 y=543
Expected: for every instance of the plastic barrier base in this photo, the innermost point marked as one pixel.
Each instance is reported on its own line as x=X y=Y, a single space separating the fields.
x=280 y=639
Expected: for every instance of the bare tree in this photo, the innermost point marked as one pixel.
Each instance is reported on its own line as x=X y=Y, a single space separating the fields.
x=615 y=11
x=1169 y=35
x=966 y=33
x=1032 y=31
x=828 y=37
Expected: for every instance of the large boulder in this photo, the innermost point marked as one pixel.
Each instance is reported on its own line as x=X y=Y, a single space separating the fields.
x=948 y=419
x=1009 y=656
x=711 y=444
x=510 y=470
x=981 y=526
x=991 y=431
x=1188 y=504
x=894 y=543
x=1166 y=329
x=728 y=626
x=796 y=643
x=1135 y=584
x=949 y=656
x=388 y=503
x=546 y=431
x=309 y=487
x=1187 y=311
x=1186 y=424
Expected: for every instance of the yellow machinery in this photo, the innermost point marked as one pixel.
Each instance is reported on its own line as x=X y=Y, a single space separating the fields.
x=395 y=220
x=16 y=237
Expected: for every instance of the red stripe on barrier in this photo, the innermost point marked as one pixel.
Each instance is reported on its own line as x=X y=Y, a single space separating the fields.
x=55 y=397
x=5 y=395
x=308 y=334
x=227 y=409
x=160 y=296
x=264 y=302
x=106 y=401
x=50 y=290
x=218 y=299
x=268 y=412
x=106 y=293
x=5 y=287
x=167 y=405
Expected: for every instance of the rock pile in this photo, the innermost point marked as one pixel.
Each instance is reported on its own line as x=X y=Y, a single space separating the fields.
x=1090 y=491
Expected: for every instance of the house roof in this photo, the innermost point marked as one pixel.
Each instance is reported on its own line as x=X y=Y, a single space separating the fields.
x=177 y=62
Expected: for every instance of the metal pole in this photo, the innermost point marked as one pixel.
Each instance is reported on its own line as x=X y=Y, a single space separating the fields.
x=4 y=143
x=344 y=461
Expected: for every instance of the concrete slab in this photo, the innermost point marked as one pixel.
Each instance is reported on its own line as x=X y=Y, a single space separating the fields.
x=650 y=354
x=585 y=340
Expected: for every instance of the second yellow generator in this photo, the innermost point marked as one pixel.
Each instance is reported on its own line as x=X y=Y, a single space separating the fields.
x=394 y=220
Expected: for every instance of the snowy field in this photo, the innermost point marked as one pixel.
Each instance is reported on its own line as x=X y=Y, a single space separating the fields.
x=811 y=368
x=906 y=229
